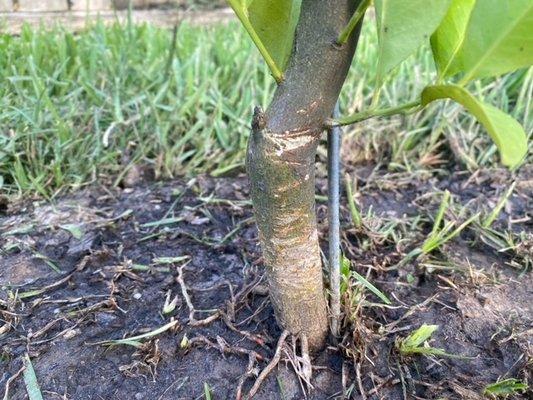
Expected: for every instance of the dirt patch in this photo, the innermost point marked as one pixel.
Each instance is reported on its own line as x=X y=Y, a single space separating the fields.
x=76 y=21
x=99 y=265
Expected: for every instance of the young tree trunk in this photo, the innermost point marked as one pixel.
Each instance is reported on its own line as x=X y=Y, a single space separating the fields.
x=280 y=163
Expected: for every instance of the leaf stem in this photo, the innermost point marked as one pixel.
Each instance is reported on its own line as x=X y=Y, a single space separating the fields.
x=371 y=113
x=356 y=17
x=241 y=14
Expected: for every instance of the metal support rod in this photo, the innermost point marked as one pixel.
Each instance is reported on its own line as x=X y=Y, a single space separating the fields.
x=334 y=147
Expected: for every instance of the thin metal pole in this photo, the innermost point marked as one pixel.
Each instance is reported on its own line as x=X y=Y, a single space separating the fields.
x=334 y=147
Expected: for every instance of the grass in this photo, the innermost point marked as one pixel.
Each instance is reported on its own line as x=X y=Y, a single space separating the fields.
x=416 y=343
x=76 y=109
x=505 y=388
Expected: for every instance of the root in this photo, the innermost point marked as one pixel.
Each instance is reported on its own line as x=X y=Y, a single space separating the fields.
x=360 y=381
x=301 y=364
x=271 y=365
x=10 y=380
x=250 y=371
x=257 y=339
x=225 y=348
x=192 y=311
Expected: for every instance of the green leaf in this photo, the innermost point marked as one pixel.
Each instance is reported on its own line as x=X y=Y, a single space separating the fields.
x=505 y=131
x=275 y=23
x=403 y=26
x=447 y=40
x=498 y=39
x=415 y=343
x=271 y=25
x=75 y=230
x=345 y=274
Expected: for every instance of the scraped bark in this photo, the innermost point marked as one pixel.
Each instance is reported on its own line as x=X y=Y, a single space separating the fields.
x=280 y=163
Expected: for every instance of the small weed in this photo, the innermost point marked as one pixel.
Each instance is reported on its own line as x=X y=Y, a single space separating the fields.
x=505 y=388
x=442 y=231
x=416 y=343
x=346 y=273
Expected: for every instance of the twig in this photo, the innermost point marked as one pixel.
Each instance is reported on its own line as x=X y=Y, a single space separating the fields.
x=270 y=366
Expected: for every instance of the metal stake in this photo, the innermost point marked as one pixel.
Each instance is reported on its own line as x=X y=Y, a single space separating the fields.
x=334 y=147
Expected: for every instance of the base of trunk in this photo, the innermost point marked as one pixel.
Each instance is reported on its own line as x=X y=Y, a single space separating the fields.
x=281 y=171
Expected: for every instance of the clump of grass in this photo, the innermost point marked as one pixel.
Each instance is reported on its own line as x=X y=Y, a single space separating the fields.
x=442 y=231
x=347 y=273
x=440 y=235
x=505 y=388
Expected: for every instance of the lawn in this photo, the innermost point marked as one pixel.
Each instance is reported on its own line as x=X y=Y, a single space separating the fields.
x=86 y=107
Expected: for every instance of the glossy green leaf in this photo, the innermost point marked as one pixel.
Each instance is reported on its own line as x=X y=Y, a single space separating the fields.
x=271 y=25
x=498 y=39
x=403 y=26
x=275 y=23
x=505 y=131
x=447 y=40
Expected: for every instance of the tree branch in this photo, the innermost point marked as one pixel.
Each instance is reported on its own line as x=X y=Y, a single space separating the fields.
x=317 y=68
x=356 y=17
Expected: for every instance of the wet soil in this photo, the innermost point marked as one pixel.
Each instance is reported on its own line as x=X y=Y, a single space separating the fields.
x=98 y=265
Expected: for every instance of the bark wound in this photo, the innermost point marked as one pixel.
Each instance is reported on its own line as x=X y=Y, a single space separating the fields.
x=281 y=171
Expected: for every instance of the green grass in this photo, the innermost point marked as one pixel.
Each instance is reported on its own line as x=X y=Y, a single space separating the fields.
x=79 y=108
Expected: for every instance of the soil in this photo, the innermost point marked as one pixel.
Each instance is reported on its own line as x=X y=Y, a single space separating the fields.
x=116 y=254
x=77 y=21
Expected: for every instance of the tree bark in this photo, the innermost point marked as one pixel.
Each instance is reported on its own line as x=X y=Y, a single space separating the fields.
x=280 y=163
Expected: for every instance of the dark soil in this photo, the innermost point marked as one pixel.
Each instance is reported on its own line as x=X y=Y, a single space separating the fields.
x=117 y=280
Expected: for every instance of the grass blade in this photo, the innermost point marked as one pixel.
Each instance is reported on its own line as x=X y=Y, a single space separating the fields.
x=487 y=222
x=30 y=380
x=136 y=341
x=361 y=279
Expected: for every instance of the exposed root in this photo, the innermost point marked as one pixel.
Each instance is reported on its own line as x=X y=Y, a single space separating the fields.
x=225 y=348
x=250 y=371
x=192 y=311
x=271 y=365
x=301 y=364
x=257 y=339
x=360 y=381
x=10 y=380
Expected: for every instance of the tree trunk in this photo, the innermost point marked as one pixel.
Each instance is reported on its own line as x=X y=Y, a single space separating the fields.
x=280 y=163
